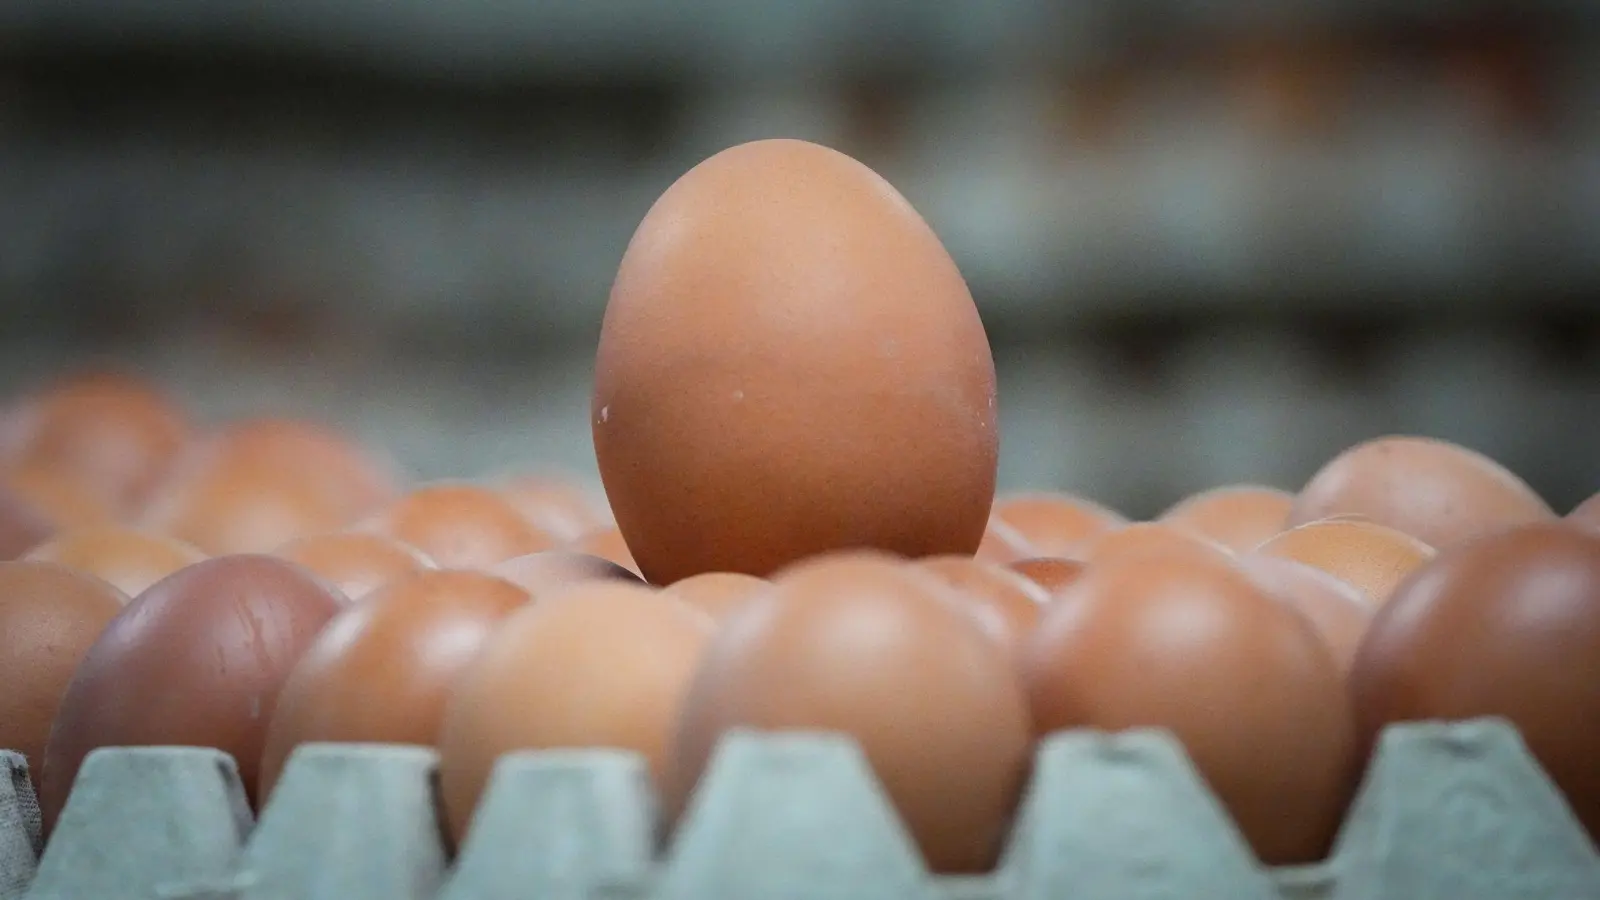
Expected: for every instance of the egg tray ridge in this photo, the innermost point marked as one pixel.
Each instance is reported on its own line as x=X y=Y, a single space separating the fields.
x=1453 y=811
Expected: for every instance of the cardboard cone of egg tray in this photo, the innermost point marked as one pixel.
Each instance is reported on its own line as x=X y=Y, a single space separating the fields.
x=1448 y=811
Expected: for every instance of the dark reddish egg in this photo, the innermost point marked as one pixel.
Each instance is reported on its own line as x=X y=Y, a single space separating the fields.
x=381 y=670
x=49 y=617
x=1505 y=625
x=196 y=660
x=357 y=563
x=127 y=558
x=460 y=526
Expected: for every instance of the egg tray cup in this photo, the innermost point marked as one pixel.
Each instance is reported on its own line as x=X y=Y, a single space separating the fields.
x=1448 y=811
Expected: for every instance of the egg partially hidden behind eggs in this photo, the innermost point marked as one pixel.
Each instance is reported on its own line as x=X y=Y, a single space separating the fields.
x=790 y=363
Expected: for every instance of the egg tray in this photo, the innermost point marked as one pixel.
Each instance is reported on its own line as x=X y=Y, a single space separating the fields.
x=1456 y=811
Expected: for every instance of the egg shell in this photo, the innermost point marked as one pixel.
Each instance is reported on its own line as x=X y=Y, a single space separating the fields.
x=718 y=594
x=1373 y=558
x=460 y=525
x=1006 y=603
x=542 y=574
x=604 y=664
x=556 y=507
x=353 y=479
x=1239 y=517
x=1189 y=643
x=233 y=504
x=1338 y=610
x=381 y=670
x=49 y=617
x=789 y=362
x=1049 y=573
x=879 y=651
x=356 y=563
x=1504 y=625
x=608 y=544
x=1149 y=539
x=196 y=660
x=22 y=525
x=60 y=501
x=127 y=558
x=1587 y=513
x=1433 y=490
x=1003 y=544
x=111 y=435
x=1056 y=525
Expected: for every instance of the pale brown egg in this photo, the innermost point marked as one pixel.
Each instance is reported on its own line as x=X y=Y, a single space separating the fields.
x=127 y=558
x=351 y=478
x=791 y=363
x=112 y=436
x=1006 y=603
x=59 y=500
x=1056 y=525
x=1587 y=513
x=231 y=504
x=197 y=661
x=1052 y=574
x=356 y=562
x=1339 y=611
x=22 y=525
x=1149 y=538
x=604 y=664
x=381 y=670
x=1187 y=642
x=1003 y=544
x=49 y=617
x=719 y=594
x=608 y=544
x=542 y=574
x=460 y=526
x=559 y=508
x=1434 y=491
x=1373 y=558
x=1239 y=517
x=877 y=650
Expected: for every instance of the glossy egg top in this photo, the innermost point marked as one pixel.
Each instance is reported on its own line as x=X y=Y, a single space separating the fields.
x=130 y=559
x=1239 y=517
x=460 y=525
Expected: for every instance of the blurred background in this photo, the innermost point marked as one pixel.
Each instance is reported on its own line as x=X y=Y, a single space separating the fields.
x=1212 y=241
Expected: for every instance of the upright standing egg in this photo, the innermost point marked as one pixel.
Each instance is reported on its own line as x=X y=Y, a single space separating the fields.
x=791 y=363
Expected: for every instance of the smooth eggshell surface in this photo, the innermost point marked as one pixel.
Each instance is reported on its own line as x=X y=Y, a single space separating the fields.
x=1239 y=517
x=790 y=363
x=49 y=617
x=1051 y=574
x=22 y=526
x=381 y=670
x=1189 y=643
x=130 y=559
x=1506 y=625
x=718 y=594
x=1434 y=491
x=1337 y=609
x=357 y=563
x=1373 y=558
x=604 y=664
x=552 y=571
x=197 y=660
x=1055 y=525
x=460 y=526
x=880 y=651
x=1005 y=602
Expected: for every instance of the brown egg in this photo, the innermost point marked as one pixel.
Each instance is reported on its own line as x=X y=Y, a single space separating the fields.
x=1149 y=539
x=604 y=664
x=1003 y=544
x=558 y=508
x=22 y=525
x=1337 y=609
x=197 y=660
x=1373 y=558
x=49 y=617
x=1587 y=513
x=880 y=651
x=460 y=526
x=789 y=360
x=113 y=436
x=357 y=563
x=231 y=504
x=541 y=574
x=61 y=502
x=1190 y=644
x=1434 y=491
x=381 y=670
x=718 y=594
x=351 y=478
x=1054 y=575
x=131 y=560
x=608 y=544
x=1055 y=525
x=1239 y=517
x=1505 y=625
x=1006 y=603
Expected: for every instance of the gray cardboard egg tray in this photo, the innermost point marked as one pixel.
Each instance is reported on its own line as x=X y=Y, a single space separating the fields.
x=1447 y=812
